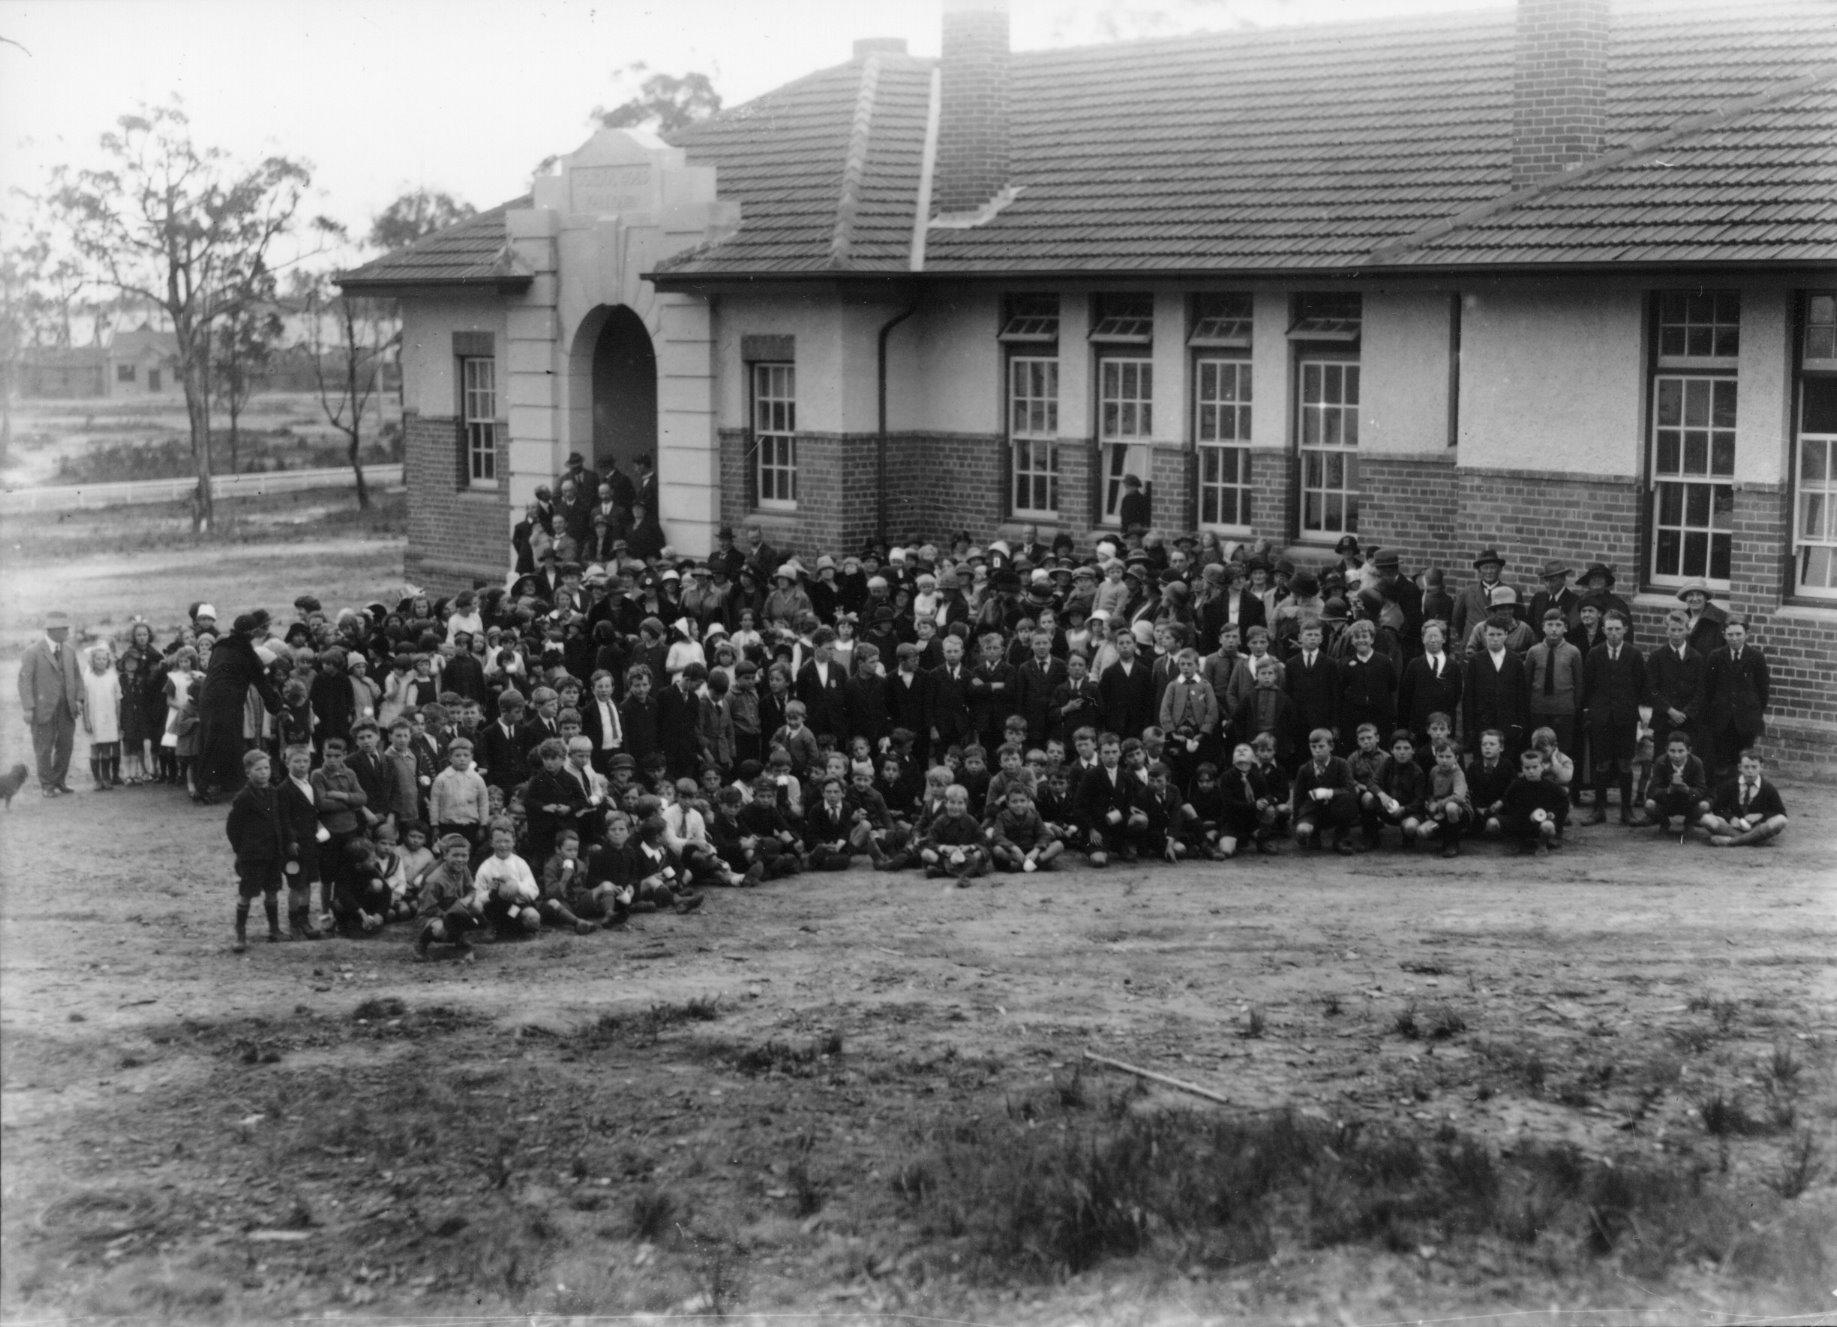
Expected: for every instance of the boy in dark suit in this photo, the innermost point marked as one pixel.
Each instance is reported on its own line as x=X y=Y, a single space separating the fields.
x=1324 y=797
x=1104 y=806
x=1746 y=809
x=948 y=708
x=1431 y=684
x=1613 y=687
x=1735 y=687
x=1532 y=806
x=254 y=830
x=1674 y=682
x=1495 y=694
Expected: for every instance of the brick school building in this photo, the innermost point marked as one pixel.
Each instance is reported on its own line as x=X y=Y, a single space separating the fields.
x=1562 y=281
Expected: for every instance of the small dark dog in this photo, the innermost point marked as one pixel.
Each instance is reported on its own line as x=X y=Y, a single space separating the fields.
x=10 y=784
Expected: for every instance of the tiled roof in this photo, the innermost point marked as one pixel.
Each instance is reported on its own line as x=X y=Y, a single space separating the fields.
x=791 y=158
x=1758 y=184
x=1301 y=148
x=473 y=252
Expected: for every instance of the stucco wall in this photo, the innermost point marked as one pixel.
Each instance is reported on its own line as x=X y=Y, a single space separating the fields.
x=1552 y=378
x=428 y=368
x=1404 y=357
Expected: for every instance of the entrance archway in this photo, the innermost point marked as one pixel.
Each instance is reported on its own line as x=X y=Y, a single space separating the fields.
x=624 y=386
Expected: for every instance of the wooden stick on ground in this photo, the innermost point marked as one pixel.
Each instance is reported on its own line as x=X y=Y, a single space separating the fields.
x=1194 y=1088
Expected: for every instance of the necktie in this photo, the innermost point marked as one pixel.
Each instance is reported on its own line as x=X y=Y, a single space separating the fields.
x=1435 y=662
x=1549 y=671
x=1747 y=791
x=1613 y=655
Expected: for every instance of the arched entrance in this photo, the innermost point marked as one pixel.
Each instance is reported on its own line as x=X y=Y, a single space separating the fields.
x=624 y=385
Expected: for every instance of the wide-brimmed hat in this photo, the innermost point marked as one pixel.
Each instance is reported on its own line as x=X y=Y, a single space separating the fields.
x=1385 y=560
x=1490 y=555
x=1698 y=588
x=1554 y=567
x=1599 y=569
x=1347 y=544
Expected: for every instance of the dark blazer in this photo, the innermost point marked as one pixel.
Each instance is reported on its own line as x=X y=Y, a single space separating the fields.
x=1368 y=694
x=1706 y=632
x=1422 y=694
x=825 y=706
x=1696 y=781
x=1611 y=693
x=254 y=826
x=1766 y=802
x=909 y=707
x=988 y=706
x=591 y=725
x=1089 y=713
x=948 y=708
x=1543 y=601
x=1674 y=683
x=1129 y=702
x=1316 y=691
x=679 y=729
x=1033 y=692
x=1098 y=795
x=1216 y=613
x=500 y=756
x=867 y=699
x=1736 y=692
x=532 y=735
x=1495 y=698
x=299 y=825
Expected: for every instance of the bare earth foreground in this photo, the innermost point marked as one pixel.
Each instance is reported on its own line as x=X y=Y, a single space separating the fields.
x=1598 y=1088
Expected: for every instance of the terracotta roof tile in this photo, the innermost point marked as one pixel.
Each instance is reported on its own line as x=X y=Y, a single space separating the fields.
x=471 y=252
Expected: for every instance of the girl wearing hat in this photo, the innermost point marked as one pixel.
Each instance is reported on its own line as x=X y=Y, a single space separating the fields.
x=1704 y=621
x=787 y=599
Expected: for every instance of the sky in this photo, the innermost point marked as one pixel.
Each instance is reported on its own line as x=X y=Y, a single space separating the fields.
x=466 y=96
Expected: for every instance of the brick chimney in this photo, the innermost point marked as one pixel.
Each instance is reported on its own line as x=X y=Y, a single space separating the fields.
x=1559 y=87
x=973 y=112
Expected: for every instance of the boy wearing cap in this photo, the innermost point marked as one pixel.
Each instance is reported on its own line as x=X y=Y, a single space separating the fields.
x=452 y=905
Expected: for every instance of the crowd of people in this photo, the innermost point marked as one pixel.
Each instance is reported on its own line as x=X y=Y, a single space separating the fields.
x=597 y=737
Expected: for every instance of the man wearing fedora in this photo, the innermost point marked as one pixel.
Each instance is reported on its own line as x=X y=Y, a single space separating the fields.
x=1555 y=594
x=51 y=693
x=1474 y=604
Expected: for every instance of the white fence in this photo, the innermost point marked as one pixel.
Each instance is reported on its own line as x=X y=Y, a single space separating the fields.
x=70 y=497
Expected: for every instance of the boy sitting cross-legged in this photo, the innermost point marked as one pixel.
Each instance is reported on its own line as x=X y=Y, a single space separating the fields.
x=1744 y=810
x=954 y=844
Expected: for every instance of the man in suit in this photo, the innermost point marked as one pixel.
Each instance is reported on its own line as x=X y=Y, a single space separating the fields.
x=909 y=699
x=1400 y=590
x=1313 y=682
x=1613 y=688
x=1555 y=594
x=1674 y=683
x=1474 y=604
x=948 y=708
x=1127 y=690
x=1735 y=689
x=1431 y=685
x=51 y=693
x=1495 y=694
x=820 y=685
x=1034 y=684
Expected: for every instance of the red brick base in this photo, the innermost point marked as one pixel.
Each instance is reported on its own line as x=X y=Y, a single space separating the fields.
x=458 y=537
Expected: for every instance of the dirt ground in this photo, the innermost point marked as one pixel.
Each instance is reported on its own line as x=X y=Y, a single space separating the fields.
x=728 y=1112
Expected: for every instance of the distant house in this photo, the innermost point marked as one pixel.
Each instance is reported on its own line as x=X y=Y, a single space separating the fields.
x=139 y=363
x=1562 y=281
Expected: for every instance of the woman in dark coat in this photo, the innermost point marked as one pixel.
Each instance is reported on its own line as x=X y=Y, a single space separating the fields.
x=234 y=668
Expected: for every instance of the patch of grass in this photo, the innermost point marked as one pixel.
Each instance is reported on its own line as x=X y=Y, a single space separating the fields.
x=1725 y=1115
x=1799 y=1165
x=1693 y=1040
x=779 y=1057
x=383 y=1007
x=1255 y=1022
x=1783 y=1066
x=643 y=1029
x=1058 y=1195
x=653 y=1212
x=1445 y=1021
x=1331 y=1006
x=1404 y=1023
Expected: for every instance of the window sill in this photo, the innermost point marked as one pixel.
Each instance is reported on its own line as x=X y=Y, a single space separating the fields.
x=1821 y=611
x=481 y=492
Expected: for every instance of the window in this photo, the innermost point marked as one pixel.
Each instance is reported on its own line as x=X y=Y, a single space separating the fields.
x=1815 y=471
x=775 y=435
x=1693 y=436
x=124 y=373
x=1221 y=433
x=1033 y=433
x=1125 y=414
x=1326 y=330
x=153 y=382
x=1122 y=329
x=478 y=412
x=1032 y=320
x=1329 y=429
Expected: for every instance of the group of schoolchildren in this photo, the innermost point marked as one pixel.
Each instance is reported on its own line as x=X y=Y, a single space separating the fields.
x=602 y=739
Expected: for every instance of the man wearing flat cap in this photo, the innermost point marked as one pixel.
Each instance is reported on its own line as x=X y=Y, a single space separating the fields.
x=51 y=693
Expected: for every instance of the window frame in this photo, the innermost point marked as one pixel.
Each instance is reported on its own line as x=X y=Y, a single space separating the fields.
x=1028 y=444
x=1820 y=369
x=478 y=432
x=774 y=449
x=1125 y=453
x=1235 y=448
x=1701 y=355
x=1327 y=358
x=127 y=371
